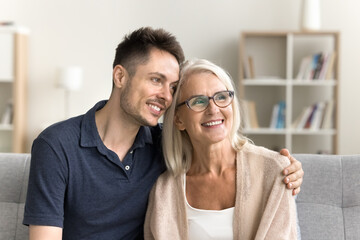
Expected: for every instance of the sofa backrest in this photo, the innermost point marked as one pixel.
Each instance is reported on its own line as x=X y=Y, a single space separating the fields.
x=329 y=202
x=14 y=174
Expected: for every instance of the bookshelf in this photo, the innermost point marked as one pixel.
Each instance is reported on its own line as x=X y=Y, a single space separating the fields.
x=272 y=70
x=13 y=78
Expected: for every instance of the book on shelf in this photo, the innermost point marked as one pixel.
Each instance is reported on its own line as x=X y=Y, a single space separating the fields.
x=318 y=61
x=244 y=73
x=309 y=120
x=251 y=67
x=326 y=59
x=245 y=66
x=281 y=115
x=330 y=66
x=7 y=116
x=248 y=67
x=299 y=118
x=316 y=116
x=278 y=115
x=318 y=66
x=303 y=117
x=305 y=63
x=274 y=116
x=253 y=115
x=328 y=117
x=245 y=116
x=250 y=117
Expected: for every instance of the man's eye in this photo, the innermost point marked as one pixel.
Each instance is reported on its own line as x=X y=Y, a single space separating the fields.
x=156 y=80
x=173 y=89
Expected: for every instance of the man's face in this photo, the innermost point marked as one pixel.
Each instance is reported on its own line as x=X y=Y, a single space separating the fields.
x=147 y=95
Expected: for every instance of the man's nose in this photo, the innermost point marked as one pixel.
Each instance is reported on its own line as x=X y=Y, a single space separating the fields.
x=166 y=95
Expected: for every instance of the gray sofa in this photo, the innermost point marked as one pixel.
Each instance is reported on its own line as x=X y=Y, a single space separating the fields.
x=328 y=205
x=14 y=174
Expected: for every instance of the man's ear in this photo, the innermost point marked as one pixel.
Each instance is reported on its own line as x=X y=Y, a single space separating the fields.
x=178 y=122
x=119 y=76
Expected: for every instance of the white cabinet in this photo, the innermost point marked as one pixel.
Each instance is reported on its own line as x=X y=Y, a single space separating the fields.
x=13 y=76
x=6 y=56
x=269 y=63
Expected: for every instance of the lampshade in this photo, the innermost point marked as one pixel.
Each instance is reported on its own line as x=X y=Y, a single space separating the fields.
x=311 y=15
x=70 y=78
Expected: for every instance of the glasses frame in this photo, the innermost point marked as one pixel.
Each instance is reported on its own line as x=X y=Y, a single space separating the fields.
x=186 y=102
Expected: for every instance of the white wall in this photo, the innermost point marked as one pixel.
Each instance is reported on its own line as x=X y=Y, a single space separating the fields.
x=86 y=32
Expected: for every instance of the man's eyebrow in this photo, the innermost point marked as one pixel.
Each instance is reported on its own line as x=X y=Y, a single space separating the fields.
x=158 y=73
x=176 y=82
x=161 y=75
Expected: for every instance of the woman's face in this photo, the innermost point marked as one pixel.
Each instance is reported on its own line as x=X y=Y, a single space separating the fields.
x=212 y=125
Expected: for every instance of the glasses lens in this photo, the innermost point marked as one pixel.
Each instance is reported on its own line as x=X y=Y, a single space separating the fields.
x=198 y=103
x=223 y=99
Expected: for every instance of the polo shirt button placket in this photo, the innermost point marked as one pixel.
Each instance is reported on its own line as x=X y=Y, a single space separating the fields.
x=127 y=167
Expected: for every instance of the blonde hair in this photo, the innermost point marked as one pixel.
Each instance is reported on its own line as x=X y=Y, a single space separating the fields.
x=177 y=147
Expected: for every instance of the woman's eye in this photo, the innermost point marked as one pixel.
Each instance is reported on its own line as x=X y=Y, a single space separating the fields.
x=221 y=97
x=198 y=101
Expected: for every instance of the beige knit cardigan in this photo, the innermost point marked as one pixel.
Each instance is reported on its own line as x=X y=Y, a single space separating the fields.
x=264 y=208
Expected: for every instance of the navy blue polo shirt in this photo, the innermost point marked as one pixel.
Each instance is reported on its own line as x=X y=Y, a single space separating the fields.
x=80 y=185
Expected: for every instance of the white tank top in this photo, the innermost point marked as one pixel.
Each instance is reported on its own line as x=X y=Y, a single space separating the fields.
x=209 y=224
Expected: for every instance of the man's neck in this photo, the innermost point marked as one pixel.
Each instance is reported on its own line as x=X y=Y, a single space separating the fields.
x=117 y=133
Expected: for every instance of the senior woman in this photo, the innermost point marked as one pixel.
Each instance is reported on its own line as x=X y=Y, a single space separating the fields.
x=218 y=185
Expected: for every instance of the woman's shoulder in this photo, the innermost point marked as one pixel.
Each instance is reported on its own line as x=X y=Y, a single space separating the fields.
x=166 y=177
x=167 y=182
x=255 y=153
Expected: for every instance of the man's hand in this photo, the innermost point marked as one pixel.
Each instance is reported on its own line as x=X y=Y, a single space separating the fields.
x=293 y=173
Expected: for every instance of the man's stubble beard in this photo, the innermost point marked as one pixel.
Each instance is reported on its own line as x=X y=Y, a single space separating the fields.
x=130 y=108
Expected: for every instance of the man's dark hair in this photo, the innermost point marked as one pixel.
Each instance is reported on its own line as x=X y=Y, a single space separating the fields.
x=136 y=46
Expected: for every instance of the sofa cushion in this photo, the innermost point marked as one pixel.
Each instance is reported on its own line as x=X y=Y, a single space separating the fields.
x=8 y=220
x=328 y=204
x=351 y=196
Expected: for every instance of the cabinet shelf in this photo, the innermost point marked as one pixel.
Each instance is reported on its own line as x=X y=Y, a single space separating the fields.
x=264 y=131
x=313 y=132
x=329 y=83
x=284 y=82
x=264 y=82
x=6 y=127
x=271 y=131
x=6 y=80
x=270 y=73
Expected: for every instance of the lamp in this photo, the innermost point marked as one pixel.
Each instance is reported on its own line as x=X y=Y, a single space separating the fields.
x=70 y=78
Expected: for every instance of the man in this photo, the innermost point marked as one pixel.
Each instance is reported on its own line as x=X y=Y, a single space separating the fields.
x=90 y=175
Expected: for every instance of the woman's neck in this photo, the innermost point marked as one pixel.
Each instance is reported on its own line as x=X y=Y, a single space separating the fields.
x=214 y=158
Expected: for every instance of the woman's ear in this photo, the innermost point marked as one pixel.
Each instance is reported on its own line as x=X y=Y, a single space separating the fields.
x=178 y=122
x=119 y=76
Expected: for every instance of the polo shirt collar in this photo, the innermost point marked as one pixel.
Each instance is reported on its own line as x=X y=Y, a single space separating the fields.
x=89 y=136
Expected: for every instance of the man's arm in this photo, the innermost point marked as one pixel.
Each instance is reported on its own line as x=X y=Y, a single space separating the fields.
x=44 y=206
x=44 y=233
x=293 y=173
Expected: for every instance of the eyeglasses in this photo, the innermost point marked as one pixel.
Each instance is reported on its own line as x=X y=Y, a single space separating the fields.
x=199 y=103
